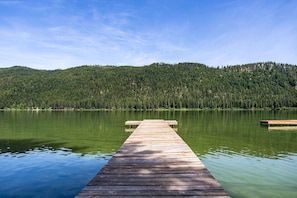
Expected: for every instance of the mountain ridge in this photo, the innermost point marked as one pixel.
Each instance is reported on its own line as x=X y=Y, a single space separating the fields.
x=158 y=85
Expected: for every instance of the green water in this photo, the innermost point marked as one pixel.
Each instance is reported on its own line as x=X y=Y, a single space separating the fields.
x=54 y=154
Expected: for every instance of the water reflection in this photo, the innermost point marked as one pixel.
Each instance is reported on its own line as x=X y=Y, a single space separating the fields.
x=44 y=172
x=54 y=151
x=248 y=176
x=240 y=132
x=82 y=132
x=282 y=128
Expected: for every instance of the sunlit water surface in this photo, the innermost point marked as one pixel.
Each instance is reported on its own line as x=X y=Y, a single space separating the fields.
x=55 y=154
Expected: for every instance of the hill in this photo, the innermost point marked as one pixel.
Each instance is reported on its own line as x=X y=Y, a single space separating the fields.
x=159 y=85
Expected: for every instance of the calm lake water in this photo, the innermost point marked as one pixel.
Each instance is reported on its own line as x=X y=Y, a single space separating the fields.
x=55 y=154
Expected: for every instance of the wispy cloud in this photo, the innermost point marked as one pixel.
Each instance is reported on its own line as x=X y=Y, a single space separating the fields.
x=9 y=2
x=61 y=34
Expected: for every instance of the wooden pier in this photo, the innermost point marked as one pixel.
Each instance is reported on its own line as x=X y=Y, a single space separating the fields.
x=154 y=161
x=280 y=125
x=279 y=122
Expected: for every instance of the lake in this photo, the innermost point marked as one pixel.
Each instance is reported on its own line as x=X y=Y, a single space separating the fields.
x=55 y=154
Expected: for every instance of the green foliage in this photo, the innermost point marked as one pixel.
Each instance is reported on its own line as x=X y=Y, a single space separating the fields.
x=159 y=85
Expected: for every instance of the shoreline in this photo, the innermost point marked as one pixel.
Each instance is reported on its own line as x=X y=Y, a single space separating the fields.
x=144 y=110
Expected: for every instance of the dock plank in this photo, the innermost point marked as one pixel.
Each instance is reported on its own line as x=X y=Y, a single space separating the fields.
x=154 y=161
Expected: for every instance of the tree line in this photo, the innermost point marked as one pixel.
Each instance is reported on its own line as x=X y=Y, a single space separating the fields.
x=159 y=85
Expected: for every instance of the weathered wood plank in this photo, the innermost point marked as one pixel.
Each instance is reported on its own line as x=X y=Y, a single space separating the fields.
x=154 y=161
x=148 y=192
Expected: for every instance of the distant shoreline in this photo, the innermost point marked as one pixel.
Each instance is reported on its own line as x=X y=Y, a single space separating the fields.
x=145 y=110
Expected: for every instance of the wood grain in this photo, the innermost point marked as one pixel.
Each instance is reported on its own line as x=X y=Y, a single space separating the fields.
x=154 y=161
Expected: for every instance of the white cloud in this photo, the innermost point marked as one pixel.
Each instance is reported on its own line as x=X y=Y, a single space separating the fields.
x=119 y=34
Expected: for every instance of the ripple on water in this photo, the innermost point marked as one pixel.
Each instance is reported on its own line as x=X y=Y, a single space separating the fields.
x=44 y=171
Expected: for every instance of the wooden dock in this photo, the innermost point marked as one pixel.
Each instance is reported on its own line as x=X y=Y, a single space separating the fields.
x=279 y=122
x=132 y=123
x=154 y=161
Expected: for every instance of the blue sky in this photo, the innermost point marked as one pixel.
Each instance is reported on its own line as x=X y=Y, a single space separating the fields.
x=59 y=34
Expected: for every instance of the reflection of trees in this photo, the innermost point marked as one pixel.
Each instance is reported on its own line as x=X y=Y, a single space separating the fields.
x=82 y=132
x=89 y=132
x=15 y=146
x=236 y=133
x=273 y=147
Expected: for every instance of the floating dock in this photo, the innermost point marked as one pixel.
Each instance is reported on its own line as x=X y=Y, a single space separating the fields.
x=280 y=125
x=153 y=162
x=279 y=122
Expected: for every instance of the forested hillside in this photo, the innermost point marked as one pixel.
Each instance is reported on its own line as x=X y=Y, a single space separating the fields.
x=183 y=85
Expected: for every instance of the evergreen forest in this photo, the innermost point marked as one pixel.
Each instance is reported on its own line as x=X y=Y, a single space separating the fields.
x=265 y=85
